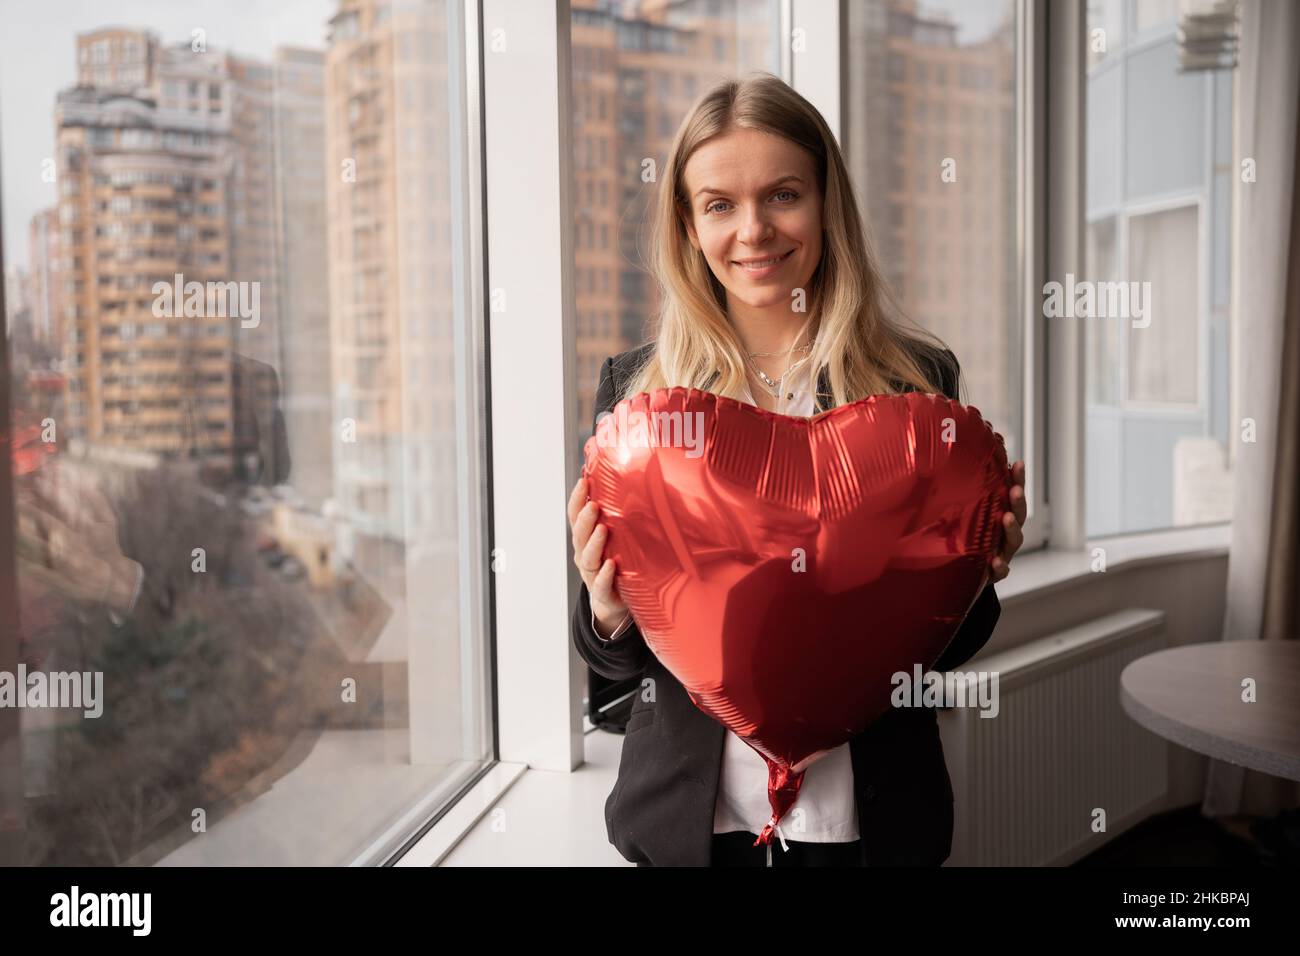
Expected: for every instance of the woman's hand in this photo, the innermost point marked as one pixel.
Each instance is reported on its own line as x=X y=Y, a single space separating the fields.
x=588 y=554
x=1013 y=521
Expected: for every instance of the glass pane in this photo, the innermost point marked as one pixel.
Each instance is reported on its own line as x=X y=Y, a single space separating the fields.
x=1103 y=334
x=1159 y=210
x=1162 y=356
x=1105 y=28
x=1103 y=155
x=1164 y=124
x=637 y=68
x=1149 y=14
x=246 y=419
x=928 y=83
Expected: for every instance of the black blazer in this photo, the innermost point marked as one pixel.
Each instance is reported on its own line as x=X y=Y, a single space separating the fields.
x=660 y=812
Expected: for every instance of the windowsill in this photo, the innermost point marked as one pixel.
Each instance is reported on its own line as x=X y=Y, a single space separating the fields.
x=547 y=818
x=1038 y=573
x=467 y=812
x=557 y=819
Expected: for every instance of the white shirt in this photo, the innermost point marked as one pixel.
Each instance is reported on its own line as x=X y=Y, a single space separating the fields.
x=826 y=810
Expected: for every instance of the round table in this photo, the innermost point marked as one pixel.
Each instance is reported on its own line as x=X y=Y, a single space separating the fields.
x=1192 y=695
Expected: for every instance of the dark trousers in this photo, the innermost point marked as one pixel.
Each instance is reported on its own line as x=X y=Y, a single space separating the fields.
x=737 y=849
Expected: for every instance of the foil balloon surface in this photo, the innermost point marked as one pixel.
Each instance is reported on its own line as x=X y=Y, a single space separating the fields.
x=784 y=569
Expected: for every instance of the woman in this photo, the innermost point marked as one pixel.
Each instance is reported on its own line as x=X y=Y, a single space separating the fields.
x=770 y=294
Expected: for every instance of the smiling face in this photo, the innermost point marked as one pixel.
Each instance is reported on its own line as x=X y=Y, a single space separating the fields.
x=756 y=214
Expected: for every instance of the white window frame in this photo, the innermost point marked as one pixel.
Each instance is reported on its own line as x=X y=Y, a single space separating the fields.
x=1062 y=32
x=527 y=120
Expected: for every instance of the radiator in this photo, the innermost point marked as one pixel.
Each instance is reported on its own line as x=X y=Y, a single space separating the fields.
x=1027 y=781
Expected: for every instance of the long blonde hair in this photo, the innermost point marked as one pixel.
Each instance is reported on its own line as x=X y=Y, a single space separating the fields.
x=860 y=342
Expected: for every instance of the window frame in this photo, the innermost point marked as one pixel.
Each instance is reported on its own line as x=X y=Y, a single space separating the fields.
x=1122 y=211
x=820 y=77
x=437 y=811
x=527 y=111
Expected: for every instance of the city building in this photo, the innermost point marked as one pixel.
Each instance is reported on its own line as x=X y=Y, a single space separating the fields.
x=44 y=288
x=143 y=166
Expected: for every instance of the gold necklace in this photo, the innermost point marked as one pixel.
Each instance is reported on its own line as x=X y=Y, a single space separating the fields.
x=775 y=387
x=799 y=348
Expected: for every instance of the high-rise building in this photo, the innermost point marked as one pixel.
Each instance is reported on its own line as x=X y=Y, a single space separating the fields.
x=361 y=196
x=45 y=282
x=170 y=165
x=920 y=94
x=18 y=306
x=637 y=69
x=391 y=304
x=143 y=162
x=394 y=169
x=948 y=249
x=602 y=187
x=116 y=58
x=302 y=300
x=261 y=449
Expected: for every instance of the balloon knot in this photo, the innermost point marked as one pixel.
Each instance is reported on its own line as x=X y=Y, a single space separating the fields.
x=765 y=837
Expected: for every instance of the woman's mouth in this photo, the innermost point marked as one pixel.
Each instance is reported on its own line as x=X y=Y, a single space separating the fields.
x=761 y=268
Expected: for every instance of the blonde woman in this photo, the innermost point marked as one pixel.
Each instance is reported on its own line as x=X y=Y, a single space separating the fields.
x=771 y=295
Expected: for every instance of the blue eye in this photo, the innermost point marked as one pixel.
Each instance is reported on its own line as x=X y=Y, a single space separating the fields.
x=791 y=193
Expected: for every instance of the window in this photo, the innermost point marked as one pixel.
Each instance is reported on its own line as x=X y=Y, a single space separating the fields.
x=656 y=69
x=1159 y=210
x=925 y=83
x=279 y=596
x=1162 y=355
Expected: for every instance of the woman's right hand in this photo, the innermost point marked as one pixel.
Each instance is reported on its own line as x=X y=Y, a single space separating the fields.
x=588 y=554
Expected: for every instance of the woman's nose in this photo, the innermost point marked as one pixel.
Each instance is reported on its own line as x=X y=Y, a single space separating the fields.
x=754 y=228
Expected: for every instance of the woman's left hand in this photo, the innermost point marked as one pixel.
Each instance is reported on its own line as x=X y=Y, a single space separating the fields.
x=1013 y=521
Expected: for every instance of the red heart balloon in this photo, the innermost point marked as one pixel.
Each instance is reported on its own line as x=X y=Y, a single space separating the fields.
x=784 y=568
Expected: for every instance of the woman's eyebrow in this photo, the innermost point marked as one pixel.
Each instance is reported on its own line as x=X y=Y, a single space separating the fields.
x=722 y=192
